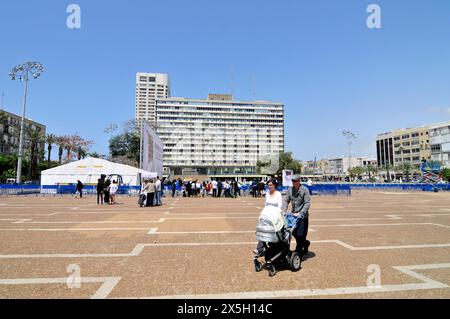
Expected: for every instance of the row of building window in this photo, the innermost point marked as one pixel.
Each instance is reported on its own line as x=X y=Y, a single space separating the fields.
x=406 y=136
x=200 y=111
x=214 y=103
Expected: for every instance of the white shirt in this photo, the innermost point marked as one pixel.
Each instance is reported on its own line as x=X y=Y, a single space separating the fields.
x=113 y=189
x=214 y=184
x=158 y=185
x=276 y=200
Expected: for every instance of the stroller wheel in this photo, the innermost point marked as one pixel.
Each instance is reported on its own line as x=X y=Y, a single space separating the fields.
x=272 y=270
x=258 y=266
x=295 y=262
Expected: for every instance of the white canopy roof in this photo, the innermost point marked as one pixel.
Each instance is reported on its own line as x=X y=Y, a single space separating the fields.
x=88 y=171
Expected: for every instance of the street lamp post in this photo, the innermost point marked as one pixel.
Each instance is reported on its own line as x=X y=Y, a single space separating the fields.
x=22 y=72
x=350 y=137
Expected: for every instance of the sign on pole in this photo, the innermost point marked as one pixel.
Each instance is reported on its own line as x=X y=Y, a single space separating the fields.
x=287 y=177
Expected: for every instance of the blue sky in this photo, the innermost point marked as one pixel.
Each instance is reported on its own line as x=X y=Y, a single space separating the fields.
x=317 y=57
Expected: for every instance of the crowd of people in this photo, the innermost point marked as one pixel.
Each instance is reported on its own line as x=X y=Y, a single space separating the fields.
x=106 y=191
x=216 y=188
x=151 y=192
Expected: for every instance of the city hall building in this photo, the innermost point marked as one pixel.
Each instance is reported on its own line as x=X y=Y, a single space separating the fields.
x=218 y=136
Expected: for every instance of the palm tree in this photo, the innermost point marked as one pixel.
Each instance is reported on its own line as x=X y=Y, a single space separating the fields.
x=371 y=169
x=405 y=169
x=82 y=147
x=34 y=139
x=69 y=146
x=50 y=139
x=386 y=167
x=95 y=155
x=61 y=142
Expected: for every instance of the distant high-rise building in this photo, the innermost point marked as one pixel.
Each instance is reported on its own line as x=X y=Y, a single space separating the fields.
x=149 y=87
x=219 y=136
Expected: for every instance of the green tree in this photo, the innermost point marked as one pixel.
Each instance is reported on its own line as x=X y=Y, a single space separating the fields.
x=285 y=161
x=61 y=142
x=95 y=155
x=446 y=174
x=371 y=170
x=125 y=145
x=34 y=139
x=405 y=169
x=387 y=167
x=356 y=171
x=50 y=139
x=7 y=166
x=82 y=147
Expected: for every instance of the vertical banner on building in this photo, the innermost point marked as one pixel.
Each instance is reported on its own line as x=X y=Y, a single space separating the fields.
x=152 y=150
x=287 y=177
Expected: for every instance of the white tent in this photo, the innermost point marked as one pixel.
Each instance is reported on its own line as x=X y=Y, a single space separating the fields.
x=88 y=171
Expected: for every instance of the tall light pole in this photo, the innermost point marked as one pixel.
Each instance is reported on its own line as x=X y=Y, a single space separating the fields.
x=22 y=72
x=350 y=137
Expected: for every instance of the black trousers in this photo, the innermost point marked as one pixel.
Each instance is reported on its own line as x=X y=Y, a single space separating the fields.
x=173 y=192
x=300 y=233
x=150 y=198
x=214 y=192
x=106 y=199
x=219 y=192
x=99 y=198
x=81 y=192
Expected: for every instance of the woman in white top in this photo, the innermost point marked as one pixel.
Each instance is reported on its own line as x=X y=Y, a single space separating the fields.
x=273 y=198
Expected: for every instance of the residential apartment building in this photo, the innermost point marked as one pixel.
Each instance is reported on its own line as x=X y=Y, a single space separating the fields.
x=218 y=135
x=340 y=166
x=10 y=132
x=440 y=143
x=411 y=145
x=337 y=167
x=149 y=87
x=320 y=167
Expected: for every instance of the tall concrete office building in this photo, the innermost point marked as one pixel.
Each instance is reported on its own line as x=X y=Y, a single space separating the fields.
x=411 y=145
x=219 y=136
x=149 y=87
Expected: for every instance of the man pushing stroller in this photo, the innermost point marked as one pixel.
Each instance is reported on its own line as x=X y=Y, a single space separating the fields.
x=299 y=217
x=273 y=231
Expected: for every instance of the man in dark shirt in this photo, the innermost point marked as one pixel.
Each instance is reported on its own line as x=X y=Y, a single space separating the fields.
x=100 y=189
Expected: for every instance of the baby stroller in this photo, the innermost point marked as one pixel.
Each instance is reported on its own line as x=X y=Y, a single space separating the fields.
x=272 y=230
x=142 y=198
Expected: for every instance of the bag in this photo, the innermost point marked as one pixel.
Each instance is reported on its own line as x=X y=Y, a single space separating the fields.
x=291 y=220
x=141 y=200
